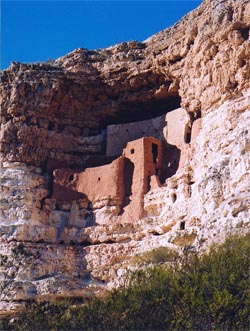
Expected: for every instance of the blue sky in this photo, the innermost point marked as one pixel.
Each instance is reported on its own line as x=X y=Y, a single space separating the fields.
x=34 y=31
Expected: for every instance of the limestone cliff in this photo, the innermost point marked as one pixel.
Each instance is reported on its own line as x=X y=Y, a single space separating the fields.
x=67 y=123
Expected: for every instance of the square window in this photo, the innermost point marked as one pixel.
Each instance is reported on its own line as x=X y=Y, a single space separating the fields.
x=182 y=226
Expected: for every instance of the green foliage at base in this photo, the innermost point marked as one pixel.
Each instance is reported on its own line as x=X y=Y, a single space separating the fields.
x=156 y=256
x=211 y=292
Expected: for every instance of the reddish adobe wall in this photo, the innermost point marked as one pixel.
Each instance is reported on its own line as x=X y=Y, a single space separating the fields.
x=126 y=178
x=95 y=183
x=146 y=156
x=104 y=181
x=62 y=189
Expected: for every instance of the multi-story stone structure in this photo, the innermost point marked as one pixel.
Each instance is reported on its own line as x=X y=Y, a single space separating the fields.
x=119 y=185
x=126 y=180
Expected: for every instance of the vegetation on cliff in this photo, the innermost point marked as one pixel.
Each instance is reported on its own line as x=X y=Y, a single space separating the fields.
x=210 y=292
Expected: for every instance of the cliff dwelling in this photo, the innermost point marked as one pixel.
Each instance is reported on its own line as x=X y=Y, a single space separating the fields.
x=105 y=157
x=139 y=156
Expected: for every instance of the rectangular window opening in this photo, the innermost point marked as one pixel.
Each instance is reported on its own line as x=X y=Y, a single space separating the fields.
x=182 y=226
x=155 y=153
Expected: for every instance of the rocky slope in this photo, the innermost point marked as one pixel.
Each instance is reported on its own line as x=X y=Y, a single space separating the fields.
x=55 y=115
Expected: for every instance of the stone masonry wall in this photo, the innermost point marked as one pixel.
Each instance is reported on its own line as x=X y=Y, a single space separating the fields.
x=120 y=134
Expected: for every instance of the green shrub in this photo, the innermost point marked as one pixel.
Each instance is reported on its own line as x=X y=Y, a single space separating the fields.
x=197 y=293
x=157 y=256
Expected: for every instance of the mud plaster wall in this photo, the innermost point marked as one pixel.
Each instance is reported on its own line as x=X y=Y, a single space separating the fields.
x=127 y=178
x=95 y=183
x=147 y=161
x=119 y=135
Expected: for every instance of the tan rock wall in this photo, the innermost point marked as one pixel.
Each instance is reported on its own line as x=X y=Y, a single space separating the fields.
x=196 y=128
x=58 y=111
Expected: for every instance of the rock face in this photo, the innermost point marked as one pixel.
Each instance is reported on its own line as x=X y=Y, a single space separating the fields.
x=77 y=201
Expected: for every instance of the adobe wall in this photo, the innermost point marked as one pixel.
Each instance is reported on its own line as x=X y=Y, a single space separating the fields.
x=62 y=189
x=127 y=179
x=102 y=181
x=94 y=183
x=147 y=162
x=119 y=135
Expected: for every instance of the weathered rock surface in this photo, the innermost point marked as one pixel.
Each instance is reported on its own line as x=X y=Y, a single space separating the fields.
x=55 y=116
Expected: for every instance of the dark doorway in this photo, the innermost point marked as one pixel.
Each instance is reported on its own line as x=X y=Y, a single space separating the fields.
x=182 y=226
x=170 y=162
x=187 y=137
x=128 y=181
x=155 y=152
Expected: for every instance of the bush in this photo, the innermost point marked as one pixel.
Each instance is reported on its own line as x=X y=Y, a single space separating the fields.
x=199 y=293
x=158 y=256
